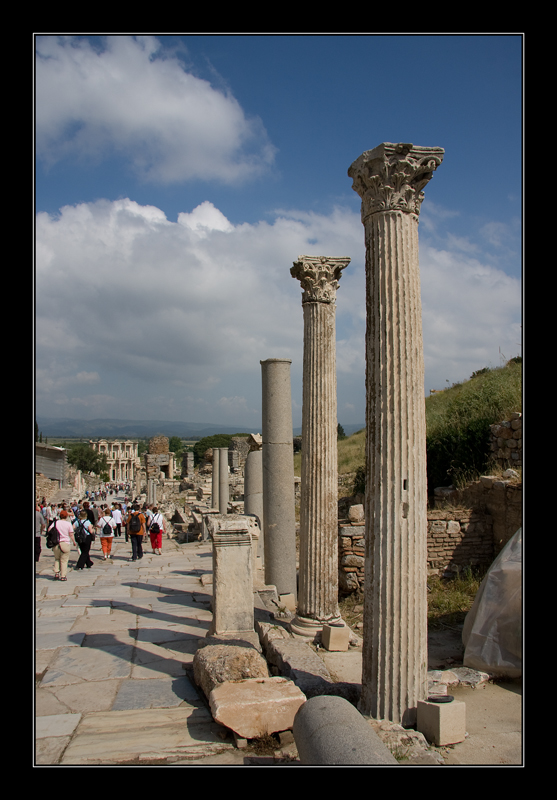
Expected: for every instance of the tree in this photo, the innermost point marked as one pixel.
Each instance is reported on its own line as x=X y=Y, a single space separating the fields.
x=175 y=444
x=86 y=459
x=340 y=432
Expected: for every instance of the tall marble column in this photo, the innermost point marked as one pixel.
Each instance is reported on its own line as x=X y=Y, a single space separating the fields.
x=318 y=573
x=278 y=476
x=215 y=478
x=390 y=179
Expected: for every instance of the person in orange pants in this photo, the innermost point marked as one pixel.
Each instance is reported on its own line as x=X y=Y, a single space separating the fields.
x=106 y=526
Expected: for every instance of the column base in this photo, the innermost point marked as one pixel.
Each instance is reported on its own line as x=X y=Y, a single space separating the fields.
x=309 y=628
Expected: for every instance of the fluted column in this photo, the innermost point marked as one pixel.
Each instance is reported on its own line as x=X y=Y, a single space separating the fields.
x=318 y=573
x=390 y=179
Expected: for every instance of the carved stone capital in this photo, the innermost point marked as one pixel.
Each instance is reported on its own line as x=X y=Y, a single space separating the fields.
x=391 y=177
x=319 y=277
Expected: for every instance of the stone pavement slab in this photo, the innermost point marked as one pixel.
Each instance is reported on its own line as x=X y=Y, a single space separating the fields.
x=119 y=737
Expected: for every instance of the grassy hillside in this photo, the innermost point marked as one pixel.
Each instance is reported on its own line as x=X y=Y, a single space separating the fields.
x=457 y=422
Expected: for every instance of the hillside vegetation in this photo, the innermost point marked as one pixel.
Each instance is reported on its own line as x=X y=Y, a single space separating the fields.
x=457 y=424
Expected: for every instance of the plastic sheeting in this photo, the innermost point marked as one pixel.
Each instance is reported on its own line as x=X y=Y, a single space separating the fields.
x=492 y=633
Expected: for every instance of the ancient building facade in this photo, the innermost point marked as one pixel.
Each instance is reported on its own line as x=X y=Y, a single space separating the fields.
x=122 y=458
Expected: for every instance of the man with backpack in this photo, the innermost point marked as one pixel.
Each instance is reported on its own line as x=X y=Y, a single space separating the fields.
x=136 y=531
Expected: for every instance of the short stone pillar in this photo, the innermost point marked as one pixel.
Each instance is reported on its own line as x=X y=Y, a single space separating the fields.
x=223 y=480
x=279 y=518
x=253 y=484
x=318 y=575
x=232 y=574
x=215 y=478
x=390 y=179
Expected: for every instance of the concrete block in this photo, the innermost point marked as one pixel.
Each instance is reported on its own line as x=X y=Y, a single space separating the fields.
x=335 y=637
x=442 y=723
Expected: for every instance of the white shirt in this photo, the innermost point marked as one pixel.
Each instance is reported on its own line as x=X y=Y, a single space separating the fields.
x=102 y=522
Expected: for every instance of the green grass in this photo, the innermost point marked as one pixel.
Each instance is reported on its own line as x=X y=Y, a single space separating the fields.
x=450 y=599
x=458 y=420
x=457 y=428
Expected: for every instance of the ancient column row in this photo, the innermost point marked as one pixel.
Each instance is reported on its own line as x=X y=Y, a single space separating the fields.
x=389 y=180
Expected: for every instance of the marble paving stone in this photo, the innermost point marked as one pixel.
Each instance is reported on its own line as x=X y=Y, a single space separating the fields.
x=56 y=725
x=120 y=736
x=91 y=664
x=86 y=601
x=49 y=751
x=55 y=625
x=86 y=696
x=52 y=641
x=47 y=704
x=165 y=635
x=156 y=693
x=67 y=612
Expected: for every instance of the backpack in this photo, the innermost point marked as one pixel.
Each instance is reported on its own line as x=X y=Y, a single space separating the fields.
x=155 y=528
x=52 y=535
x=135 y=523
x=107 y=529
x=81 y=534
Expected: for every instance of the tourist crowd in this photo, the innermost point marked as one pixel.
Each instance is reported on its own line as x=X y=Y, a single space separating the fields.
x=79 y=523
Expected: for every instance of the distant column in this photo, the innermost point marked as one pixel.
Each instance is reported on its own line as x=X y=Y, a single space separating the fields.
x=223 y=480
x=253 y=484
x=318 y=574
x=278 y=476
x=215 y=479
x=390 y=179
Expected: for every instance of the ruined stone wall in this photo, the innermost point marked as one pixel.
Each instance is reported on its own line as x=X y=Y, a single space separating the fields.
x=158 y=445
x=458 y=538
x=498 y=497
x=506 y=441
x=470 y=530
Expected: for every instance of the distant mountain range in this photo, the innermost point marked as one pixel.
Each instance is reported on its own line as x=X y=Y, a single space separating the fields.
x=50 y=427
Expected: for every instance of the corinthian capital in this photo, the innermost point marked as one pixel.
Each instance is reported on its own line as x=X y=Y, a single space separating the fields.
x=391 y=177
x=319 y=277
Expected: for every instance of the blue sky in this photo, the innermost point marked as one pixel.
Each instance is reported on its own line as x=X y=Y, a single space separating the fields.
x=179 y=177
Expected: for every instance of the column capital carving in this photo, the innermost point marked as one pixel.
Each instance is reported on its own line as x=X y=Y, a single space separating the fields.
x=319 y=276
x=391 y=177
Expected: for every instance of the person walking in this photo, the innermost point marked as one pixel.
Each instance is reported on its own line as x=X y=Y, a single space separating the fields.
x=84 y=533
x=106 y=526
x=62 y=550
x=117 y=517
x=156 y=529
x=136 y=531
x=39 y=528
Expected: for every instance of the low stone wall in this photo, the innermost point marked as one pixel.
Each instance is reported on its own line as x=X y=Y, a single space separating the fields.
x=500 y=498
x=458 y=538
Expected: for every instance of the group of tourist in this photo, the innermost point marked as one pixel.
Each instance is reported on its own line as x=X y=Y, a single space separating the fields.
x=81 y=522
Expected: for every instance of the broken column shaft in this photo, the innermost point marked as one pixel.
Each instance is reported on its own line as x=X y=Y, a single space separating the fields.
x=279 y=518
x=390 y=179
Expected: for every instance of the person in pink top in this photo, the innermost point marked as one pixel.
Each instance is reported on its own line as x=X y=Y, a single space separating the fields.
x=62 y=549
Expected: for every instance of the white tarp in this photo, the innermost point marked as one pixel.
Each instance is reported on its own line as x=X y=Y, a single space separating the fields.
x=492 y=633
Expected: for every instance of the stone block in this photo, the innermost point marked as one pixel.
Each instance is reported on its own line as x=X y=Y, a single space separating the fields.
x=217 y=664
x=442 y=723
x=256 y=706
x=335 y=637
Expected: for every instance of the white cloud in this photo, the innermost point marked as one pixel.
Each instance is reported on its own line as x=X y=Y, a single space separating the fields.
x=129 y=99
x=154 y=310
